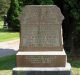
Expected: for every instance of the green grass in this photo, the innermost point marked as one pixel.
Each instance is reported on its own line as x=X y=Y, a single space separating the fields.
x=75 y=66
x=6 y=72
x=9 y=62
x=6 y=35
x=6 y=64
x=1 y=24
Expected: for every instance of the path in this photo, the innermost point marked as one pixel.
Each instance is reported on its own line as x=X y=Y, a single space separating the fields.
x=9 y=47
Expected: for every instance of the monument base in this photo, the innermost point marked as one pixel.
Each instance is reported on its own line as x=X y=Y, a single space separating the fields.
x=41 y=59
x=43 y=71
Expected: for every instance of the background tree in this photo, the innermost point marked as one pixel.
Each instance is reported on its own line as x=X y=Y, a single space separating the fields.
x=12 y=15
x=71 y=24
x=4 y=5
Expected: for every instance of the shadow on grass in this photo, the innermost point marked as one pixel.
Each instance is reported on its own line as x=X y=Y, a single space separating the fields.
x=8 y=62
x=7 y=52
x=74 y=62
x=4 y=30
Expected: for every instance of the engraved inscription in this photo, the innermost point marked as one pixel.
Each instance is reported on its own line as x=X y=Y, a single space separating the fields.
x=41 y=59
x=41 y=27
x=41 y=35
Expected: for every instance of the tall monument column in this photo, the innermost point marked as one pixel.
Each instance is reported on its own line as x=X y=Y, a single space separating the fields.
x=41 y=49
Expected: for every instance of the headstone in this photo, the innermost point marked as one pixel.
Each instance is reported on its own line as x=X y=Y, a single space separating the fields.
x=41 y=43
x=41 y=28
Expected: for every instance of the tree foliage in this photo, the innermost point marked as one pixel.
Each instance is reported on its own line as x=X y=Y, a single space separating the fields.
x=71 y=23
x=4 y=6
x=36 y=2
x=12 y=15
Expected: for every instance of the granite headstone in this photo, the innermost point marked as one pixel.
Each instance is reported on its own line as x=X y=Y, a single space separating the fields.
x=41 y=41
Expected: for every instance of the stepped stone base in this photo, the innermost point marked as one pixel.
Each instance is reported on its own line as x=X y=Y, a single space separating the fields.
x=41 y=59
x=43 y=71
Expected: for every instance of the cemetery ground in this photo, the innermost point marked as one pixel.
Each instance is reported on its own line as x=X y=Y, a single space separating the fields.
x=7 y=63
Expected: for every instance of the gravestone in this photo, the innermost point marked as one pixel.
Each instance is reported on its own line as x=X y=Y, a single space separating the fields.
x=41 y=46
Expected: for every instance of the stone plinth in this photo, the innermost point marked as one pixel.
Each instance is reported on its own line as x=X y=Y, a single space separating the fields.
x=41 y=59
x=43 y=71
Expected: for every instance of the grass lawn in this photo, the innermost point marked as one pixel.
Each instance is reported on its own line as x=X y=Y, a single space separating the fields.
x=76 y=70
x=7 y=63
x=75 y=66
x=1 y=24
x=5 y=35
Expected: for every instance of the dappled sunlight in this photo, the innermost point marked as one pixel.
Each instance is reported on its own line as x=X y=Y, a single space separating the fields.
x=75 y=71
x=5 y=72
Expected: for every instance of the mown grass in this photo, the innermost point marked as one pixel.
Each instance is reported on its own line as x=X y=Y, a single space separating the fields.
x=6 y=64
x=1 y=24
x=9 y=62
x=6 y=35
x=75 y=66
x=6 y=72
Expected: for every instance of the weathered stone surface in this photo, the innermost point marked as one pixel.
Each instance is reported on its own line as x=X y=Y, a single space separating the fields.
x=41 y=28
x=43 y=71
x=41 y=59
